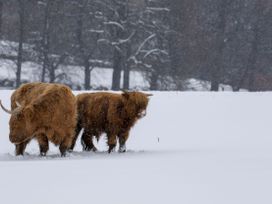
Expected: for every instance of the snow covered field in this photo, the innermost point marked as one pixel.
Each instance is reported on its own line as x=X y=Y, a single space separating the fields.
x=192 y=148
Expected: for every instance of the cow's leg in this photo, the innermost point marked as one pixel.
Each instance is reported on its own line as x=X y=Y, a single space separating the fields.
x=65 y=145
x=111 y=142
x=87 y=142
x=122 y=141
x=77 y=131
x=20 y=148
x=43 y=144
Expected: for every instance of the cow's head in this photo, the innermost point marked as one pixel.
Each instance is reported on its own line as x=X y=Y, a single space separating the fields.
x=19 y=123
x=137 y=102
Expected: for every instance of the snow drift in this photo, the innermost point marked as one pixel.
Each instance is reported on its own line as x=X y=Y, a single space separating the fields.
x=190 y=148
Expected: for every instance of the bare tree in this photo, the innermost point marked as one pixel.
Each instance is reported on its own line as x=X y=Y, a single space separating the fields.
x=45 y=40
x=217 y=66
x=45 y=44
x=118 y=32
x=153 y=52
x=252 y=69
x=127 y=67
x=21 y=40
x=88 y=31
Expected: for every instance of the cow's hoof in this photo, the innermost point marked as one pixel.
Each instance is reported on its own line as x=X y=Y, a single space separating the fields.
x=70 y=150
x=122 y=149
x=94 y=149
x=88 y=149
x=63 y=154
x=111 y=148
x=42 y=154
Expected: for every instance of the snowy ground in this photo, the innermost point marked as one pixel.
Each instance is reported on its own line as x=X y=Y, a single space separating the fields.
x=192 y=148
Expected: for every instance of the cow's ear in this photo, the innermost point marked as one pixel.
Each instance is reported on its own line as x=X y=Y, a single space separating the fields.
x=125 y=94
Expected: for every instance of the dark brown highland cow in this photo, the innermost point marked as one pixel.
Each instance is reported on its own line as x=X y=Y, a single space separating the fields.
x=43 y=111
x=113 y=114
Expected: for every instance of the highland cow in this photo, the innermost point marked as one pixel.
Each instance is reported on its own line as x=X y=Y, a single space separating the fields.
x=43 y=111
x=110 y=113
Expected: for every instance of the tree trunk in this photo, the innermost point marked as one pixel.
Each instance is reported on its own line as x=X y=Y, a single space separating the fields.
x=247 y=79
x=252 y=66
x=83 y=52
x=45 y=67
x=46 y=41
x=173 y=37
x=87 y=72
x=217 y=68
x=1 y=16
x=215 y=84
x=252 y=63
x=117 y=69
x=126 y=77
x=173 y=55
x=21 y=39
x=52 y=75
x=127 y=69
x=154 y=81
x=118 y=56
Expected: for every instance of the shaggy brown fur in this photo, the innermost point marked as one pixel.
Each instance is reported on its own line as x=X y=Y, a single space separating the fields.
x=47 y=112
x=113 y=114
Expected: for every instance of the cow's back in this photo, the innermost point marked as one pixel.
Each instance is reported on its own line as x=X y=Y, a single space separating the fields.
x=54 y=103
x=25 y=93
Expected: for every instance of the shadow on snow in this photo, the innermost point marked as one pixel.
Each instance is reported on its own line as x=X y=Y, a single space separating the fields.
x=70 y=156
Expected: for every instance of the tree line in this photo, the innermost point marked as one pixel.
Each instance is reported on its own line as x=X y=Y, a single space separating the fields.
x=169 y=41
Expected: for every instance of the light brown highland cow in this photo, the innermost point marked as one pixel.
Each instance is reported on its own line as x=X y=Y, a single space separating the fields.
x=43 y=111
x=110 y=113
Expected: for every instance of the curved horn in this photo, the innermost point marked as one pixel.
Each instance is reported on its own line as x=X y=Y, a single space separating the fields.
x=149 y=95
x=6 y=110
x=18 y=104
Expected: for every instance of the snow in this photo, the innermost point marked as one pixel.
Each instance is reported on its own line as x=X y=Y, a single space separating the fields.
x=201 y=85
x=144 y=42
x=158 y=9
x=155 y=51
x=115 y=23
x=9 y=48
x=193 y=148
x=100 y=77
